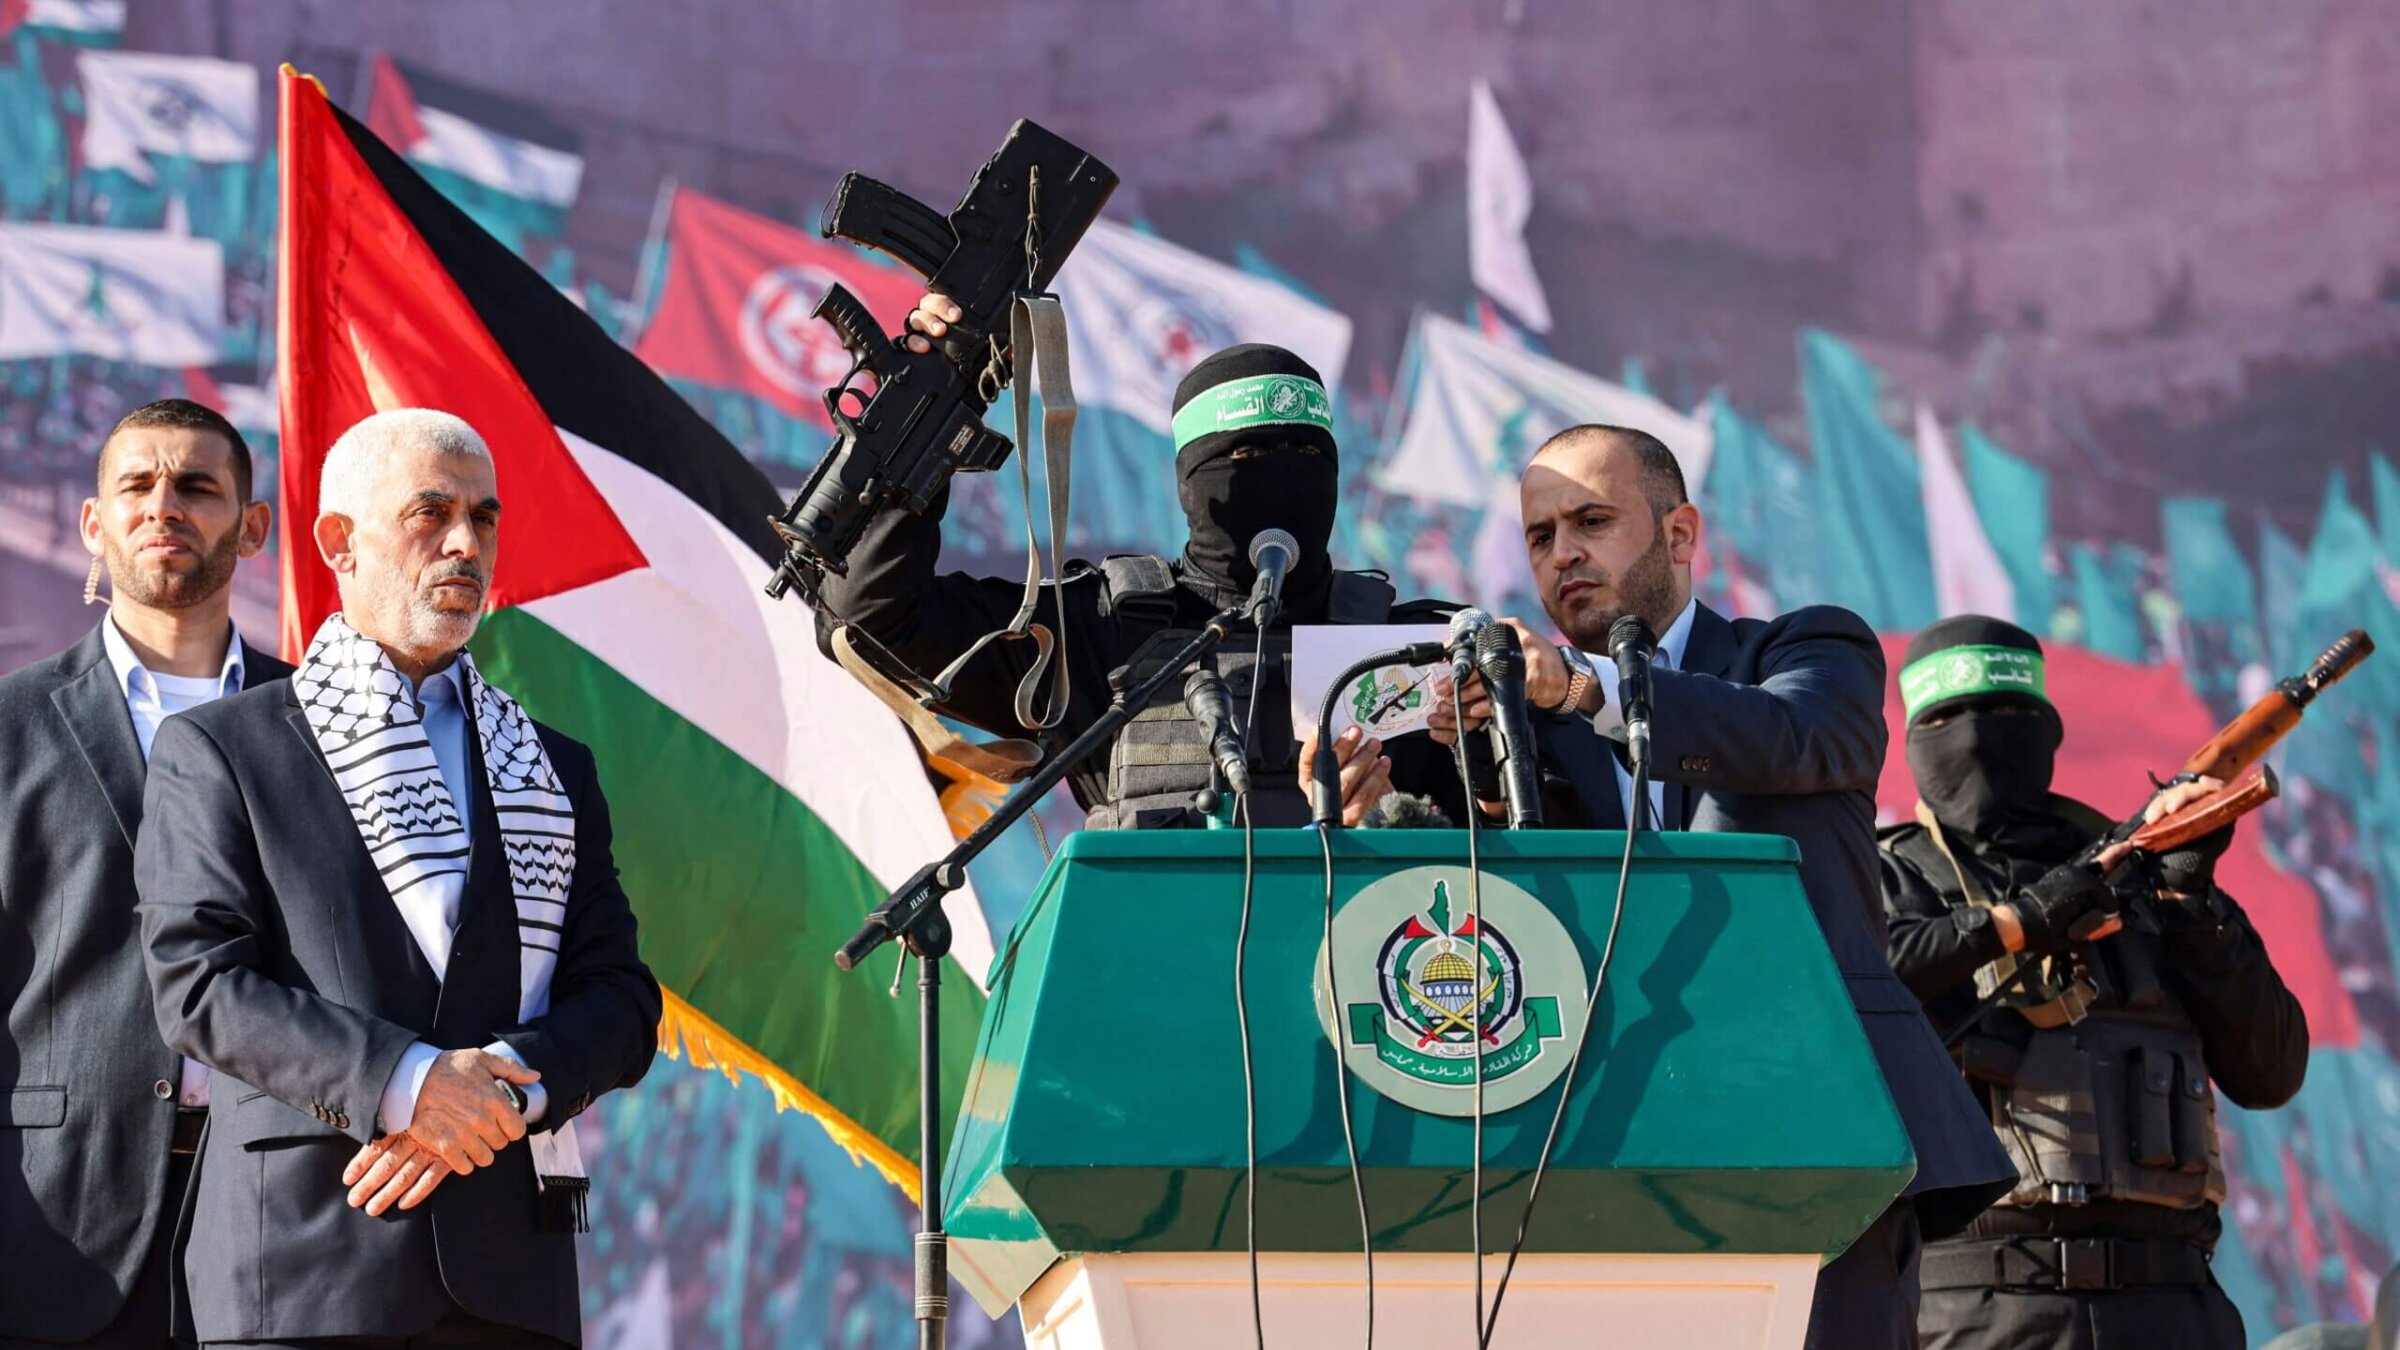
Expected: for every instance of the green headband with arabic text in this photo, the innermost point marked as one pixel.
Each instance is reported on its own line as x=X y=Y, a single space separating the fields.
x=1971 y=671
x=1254 y=401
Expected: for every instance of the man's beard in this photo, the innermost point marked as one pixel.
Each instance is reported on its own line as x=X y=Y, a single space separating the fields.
x=426 y=626
x=174 y=589
x=1648 y=589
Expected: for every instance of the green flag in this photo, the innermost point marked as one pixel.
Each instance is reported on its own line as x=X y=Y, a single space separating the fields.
x=2341 y=555
x=2387 y=506
x=2112 y=624
x=2340 y=590
x=1869 y=493
x=2281 y=565
x=2218 y=596
x=1756 y=501
x=2212 y=581
x=2012 y=498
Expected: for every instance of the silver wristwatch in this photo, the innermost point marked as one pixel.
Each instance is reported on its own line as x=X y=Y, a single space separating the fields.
x=1580 y=676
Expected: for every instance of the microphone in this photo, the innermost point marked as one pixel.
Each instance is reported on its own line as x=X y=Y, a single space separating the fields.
x=1502 y=663
x=1465 y=626
x=1273 y=553
x=1630 y=643
x=1204 y=694
x=1405 y=811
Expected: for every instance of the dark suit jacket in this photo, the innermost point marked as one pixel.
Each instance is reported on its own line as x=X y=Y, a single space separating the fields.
x=88 y=1086
x=277 y=956
x=1776 y=727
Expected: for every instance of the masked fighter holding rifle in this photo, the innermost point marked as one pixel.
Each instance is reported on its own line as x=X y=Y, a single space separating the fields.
x=2097 y=988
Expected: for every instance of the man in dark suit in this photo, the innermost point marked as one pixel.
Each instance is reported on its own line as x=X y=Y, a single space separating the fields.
x=103 y=1119
x=380 y=902
x=1764 y=727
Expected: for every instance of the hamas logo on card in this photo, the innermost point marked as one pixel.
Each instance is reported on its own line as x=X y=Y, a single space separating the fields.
x=1423 y=982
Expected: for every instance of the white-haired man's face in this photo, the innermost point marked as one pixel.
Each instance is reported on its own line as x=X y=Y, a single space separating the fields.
x=415 y=562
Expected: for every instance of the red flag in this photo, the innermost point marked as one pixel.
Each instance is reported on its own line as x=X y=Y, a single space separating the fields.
x=733 y=312
x=367 y=319
x=2126 y=720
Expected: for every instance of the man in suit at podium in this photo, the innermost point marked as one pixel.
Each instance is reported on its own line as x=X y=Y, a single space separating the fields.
x=1758 y=726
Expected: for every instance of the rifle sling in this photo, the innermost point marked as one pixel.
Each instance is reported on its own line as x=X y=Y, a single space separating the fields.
x=1037 y=333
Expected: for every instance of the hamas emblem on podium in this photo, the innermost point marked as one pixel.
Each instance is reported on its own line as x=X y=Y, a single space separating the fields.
x=1422 y=982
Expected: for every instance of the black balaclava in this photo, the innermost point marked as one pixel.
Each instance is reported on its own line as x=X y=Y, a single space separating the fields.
x=1263 y=398
x=1982 y=771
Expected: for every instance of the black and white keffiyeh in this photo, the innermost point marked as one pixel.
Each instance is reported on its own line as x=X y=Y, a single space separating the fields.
x=369 y=726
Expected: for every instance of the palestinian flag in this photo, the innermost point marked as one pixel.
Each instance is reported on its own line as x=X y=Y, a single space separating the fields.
x=763 y=802
x=511 y=166
x=84 y=23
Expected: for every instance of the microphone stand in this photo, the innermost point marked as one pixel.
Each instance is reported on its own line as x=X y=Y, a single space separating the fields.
x=913 y=915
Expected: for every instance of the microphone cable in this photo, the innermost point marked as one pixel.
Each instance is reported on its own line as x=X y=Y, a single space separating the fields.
x=1466 y=778
x=1591 y=1014
x=1341 y=1083
x=1326 y=813
x=1241 y=1005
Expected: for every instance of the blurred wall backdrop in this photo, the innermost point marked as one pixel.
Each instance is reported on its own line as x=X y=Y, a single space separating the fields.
x=2088 y=317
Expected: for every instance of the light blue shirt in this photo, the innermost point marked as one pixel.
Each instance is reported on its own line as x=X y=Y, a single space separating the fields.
x=442 y=705
x=1610 y=720
x=152 y=699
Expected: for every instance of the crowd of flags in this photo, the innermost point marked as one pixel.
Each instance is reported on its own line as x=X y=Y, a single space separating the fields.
x=137 y=223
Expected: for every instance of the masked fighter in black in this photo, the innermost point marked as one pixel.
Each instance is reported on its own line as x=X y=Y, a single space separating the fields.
x=2098 y=1078
x=1254 y=451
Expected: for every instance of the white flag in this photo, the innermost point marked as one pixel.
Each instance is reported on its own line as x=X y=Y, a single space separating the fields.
x=77 y=16
x=1141 y=312
x=1968 y=577
x=130 y=295
x=138 y=104
x=1477 y=410
x=1499 y=201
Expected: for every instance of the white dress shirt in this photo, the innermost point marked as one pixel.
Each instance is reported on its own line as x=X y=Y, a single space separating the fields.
x=432 y=905
x=152 y=698
x=1610 y=720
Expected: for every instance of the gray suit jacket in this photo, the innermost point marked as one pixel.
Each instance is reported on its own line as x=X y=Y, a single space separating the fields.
x=277 y=955
x=1776 y=727
x=87 y=1086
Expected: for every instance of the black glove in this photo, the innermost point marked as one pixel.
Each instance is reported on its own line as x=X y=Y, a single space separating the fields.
x=2048 y=909
x=2192 y=869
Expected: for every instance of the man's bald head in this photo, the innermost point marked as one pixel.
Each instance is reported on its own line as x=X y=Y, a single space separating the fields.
x=1662 y=474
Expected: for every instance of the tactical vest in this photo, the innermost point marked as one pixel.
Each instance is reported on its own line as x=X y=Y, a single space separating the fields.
x=2110 y=1096
x=1160 y=762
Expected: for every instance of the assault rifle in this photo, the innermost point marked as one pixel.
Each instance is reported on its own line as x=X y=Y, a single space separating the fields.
x=2232 y=755
x=1025 y=209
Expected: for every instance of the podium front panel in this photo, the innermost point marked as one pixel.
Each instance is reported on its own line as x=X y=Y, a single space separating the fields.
x=1727 y=1103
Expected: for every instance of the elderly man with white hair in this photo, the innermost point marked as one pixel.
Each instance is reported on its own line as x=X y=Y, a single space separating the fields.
x=378 y=901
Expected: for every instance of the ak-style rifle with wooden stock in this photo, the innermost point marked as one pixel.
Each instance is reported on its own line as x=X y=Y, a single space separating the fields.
x=2234 y=756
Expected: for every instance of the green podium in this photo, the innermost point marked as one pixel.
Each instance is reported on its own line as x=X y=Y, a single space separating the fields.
x=1727 y=1128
